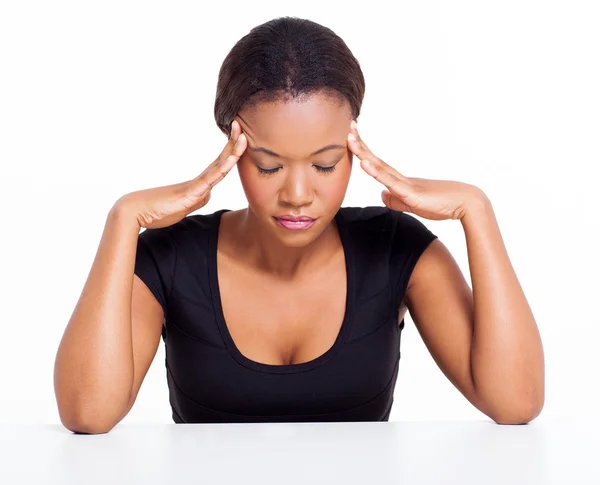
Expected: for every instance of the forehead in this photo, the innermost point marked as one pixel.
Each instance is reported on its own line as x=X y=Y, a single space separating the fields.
x=296 y=128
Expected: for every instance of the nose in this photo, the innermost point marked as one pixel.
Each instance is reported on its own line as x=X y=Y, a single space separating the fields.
x=297 y=188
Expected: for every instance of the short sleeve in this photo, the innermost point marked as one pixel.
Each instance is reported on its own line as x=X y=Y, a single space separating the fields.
x=155 y=262
x=410 y=238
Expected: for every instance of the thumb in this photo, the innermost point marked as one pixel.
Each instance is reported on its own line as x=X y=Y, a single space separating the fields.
x=393 y=203
x=386 y=197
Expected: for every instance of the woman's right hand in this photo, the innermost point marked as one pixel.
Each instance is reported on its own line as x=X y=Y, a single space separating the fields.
x=164 y=206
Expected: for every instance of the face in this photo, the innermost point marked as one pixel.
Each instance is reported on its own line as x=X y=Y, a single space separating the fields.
x=286 y=170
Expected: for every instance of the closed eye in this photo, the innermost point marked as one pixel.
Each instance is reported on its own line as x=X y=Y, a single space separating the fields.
x=320 y=169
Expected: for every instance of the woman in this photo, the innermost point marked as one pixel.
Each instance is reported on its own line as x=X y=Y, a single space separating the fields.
x=292 y=308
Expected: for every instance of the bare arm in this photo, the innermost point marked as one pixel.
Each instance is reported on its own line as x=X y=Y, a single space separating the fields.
x=112 y=336
x=486 y=341
x=94 y=378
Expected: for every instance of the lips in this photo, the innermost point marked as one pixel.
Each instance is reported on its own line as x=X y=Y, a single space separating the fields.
x=295 y=218
x=295 y=225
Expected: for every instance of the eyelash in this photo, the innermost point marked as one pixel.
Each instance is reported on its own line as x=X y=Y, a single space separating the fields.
x=271 y=171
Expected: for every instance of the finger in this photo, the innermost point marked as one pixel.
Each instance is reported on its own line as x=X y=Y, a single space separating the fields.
x=394 y=203
x=240 y=146
x=382 y=171
x=226 y=164
x=360 y=149
x=356 y=134
x=197 y=202
x=217 y=170
x=383 y=175
x=233 y=130
x=355 y=147
x=373 y=165
x=229 y=156
x=231 y=141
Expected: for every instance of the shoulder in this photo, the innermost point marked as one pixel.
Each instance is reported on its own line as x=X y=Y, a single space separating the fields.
x=191 y=223
x=200 y=222
x=396 y=238
x=189 y=232
x=365 y=220
x=387 y=238
x=361 y=214
x=381 y=218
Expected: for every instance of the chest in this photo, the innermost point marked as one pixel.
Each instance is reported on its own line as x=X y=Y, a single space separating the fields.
x=281 y=323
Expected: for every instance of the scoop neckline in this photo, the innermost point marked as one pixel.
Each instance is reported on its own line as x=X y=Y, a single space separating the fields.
x=220 y=317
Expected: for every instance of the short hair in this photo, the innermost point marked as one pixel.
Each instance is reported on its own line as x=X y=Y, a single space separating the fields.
x=286 y=58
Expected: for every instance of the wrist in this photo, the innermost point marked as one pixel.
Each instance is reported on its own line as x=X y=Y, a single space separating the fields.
x=477 y=203
x=122 y=212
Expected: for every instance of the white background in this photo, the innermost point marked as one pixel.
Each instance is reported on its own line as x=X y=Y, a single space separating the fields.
x=98 y=99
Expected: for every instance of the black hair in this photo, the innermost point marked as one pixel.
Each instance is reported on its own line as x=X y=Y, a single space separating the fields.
x=287 y=58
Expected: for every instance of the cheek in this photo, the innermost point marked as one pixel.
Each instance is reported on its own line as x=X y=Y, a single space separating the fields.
x=257 y=192
x=338 y=185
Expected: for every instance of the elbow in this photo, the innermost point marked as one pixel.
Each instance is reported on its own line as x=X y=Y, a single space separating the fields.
x=82 y=421
x=521 y=414
x=80 y=425
x=79 y=416
x=87 y=429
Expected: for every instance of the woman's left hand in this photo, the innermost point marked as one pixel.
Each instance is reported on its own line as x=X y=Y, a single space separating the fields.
x=432 y=199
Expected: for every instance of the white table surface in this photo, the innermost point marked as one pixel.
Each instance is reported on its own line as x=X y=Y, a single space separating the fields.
x=463 y=452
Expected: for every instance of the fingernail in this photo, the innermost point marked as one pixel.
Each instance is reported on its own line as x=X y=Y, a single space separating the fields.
x=353 y=124
x=351 y=137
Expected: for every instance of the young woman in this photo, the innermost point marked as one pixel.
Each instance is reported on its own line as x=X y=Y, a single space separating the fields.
x=292 y=308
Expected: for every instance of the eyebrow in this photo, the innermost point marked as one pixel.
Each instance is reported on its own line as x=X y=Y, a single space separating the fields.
x=320 y=150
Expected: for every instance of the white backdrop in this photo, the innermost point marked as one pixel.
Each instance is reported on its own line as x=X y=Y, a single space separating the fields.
x=98 y=99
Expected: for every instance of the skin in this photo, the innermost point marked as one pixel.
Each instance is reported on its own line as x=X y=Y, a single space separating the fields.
x=293 y=130
x=485 y=340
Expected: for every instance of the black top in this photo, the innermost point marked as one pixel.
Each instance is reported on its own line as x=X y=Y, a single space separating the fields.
x=209 y=379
